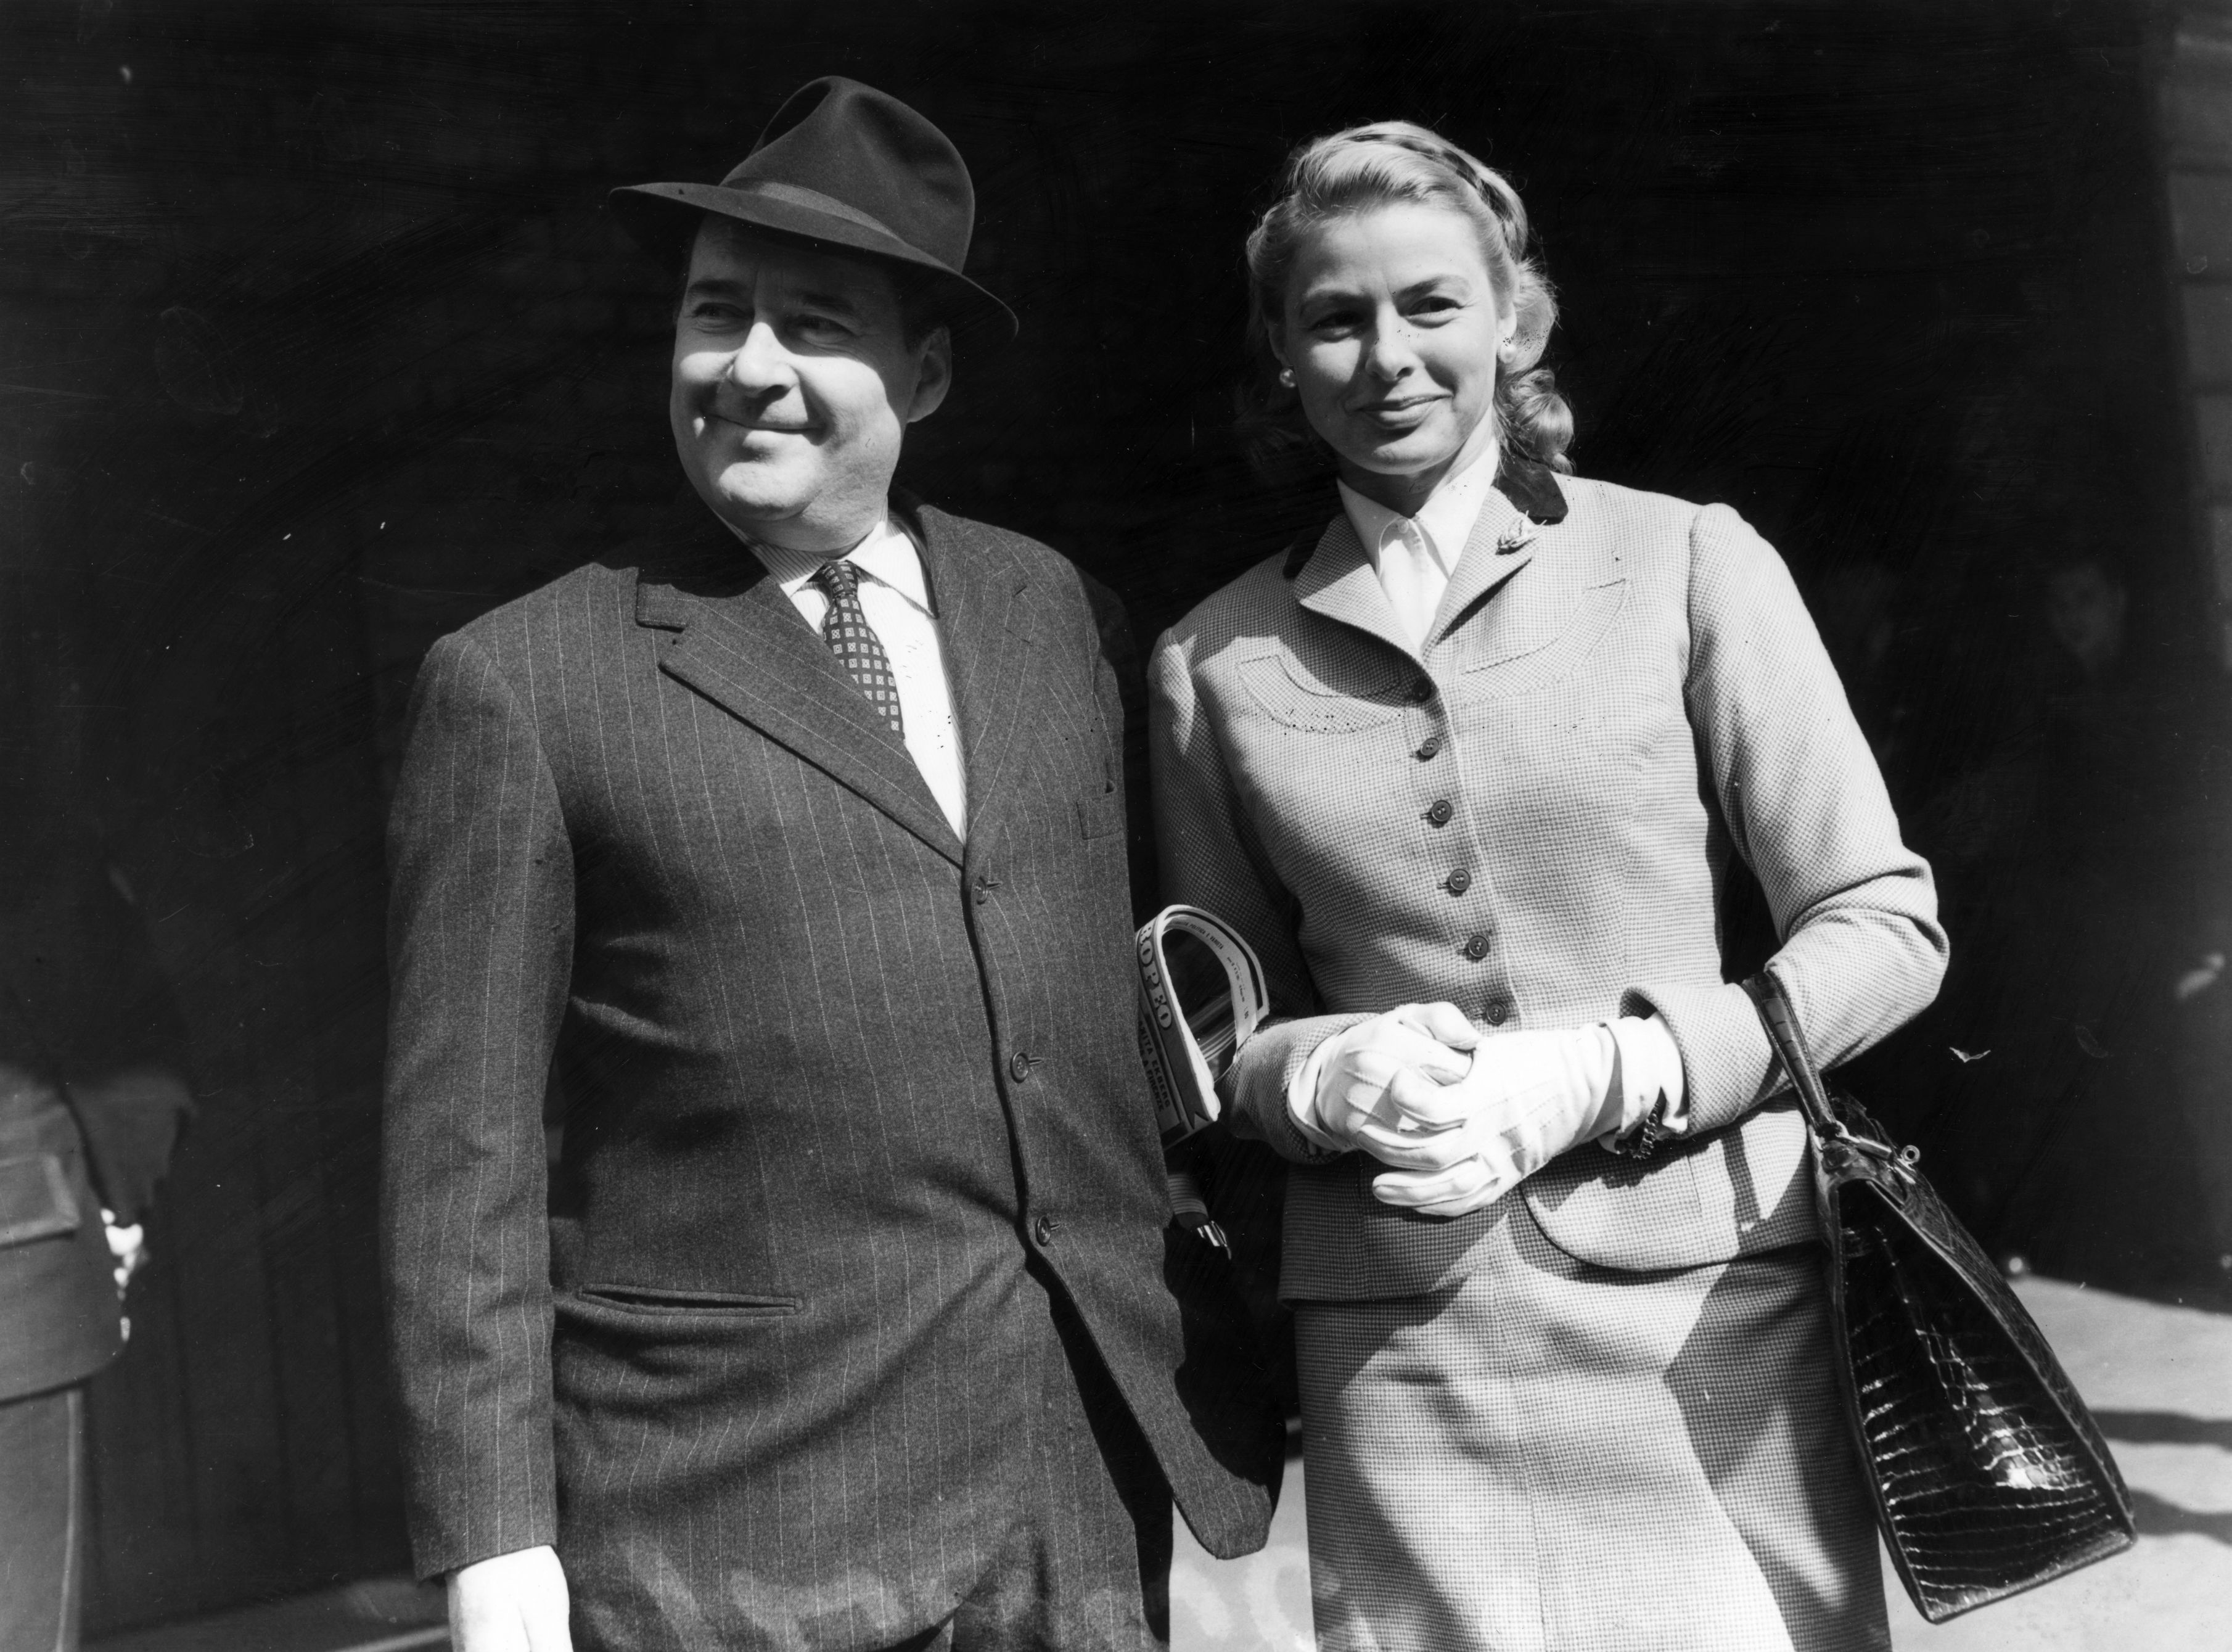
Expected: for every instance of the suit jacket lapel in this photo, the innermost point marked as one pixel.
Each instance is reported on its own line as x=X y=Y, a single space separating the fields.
x=1340 y=582
x=1525 y=501
x=742 y=645
x=985 y=624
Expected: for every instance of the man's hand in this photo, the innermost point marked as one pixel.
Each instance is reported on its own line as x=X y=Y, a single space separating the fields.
x=1361 y=1086
x=510 y=1603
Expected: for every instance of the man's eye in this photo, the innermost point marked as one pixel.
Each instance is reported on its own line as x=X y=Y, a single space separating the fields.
x=822 y=327
x=714 y=313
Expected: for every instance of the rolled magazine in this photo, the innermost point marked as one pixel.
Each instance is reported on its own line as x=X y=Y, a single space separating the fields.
x=1200 y=996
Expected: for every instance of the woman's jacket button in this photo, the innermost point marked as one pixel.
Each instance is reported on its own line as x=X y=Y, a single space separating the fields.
x=1495 y=1013
x=1476 y=948
x=1422 y=691
x=1457 y=882
x=1433 y=744
x=1440 y=813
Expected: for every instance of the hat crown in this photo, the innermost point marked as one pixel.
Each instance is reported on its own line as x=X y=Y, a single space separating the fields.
x=867 y=152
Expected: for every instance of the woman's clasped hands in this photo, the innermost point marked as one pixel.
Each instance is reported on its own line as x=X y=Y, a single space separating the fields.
x=1459 y=1117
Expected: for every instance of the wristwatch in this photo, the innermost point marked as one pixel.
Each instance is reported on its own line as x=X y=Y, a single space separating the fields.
x=1641 y=1139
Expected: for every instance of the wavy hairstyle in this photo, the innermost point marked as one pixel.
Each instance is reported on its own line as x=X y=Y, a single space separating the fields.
x=1389 y=163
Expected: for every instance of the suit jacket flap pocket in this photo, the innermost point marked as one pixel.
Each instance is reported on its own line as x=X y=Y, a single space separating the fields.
x=36 y=1200
x=612 y=1303
x=1733 y=1193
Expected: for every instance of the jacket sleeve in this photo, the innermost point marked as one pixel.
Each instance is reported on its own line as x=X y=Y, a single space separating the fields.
x=480 y=941
x=1211 y=858
x=1855 y=910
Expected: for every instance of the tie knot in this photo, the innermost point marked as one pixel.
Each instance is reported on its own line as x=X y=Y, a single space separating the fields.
x=838 y=579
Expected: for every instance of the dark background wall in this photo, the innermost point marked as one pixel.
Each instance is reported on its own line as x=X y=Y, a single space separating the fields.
x=314 y=342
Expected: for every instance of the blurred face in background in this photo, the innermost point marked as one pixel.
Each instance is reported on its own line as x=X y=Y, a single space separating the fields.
x=1392 y=328
x=794 y=383
x=2086 y=606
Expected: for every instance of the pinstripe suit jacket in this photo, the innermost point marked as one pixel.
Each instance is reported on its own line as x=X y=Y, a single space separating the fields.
x=1618 y=691
x=830 y=1074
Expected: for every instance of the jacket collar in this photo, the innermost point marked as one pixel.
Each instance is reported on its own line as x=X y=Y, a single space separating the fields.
x=741 y=643
x=1335 y=577
x=988 y=628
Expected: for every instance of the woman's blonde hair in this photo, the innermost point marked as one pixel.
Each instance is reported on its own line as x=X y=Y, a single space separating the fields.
x=1390 y=163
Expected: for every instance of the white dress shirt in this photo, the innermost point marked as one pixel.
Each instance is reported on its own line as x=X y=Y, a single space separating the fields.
x=895 y=599
x=1415 y=556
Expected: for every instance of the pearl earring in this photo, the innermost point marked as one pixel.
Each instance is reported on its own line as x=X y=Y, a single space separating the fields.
x=1287 y=377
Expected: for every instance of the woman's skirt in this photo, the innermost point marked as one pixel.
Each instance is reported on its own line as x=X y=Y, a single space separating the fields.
x=1551 y=1456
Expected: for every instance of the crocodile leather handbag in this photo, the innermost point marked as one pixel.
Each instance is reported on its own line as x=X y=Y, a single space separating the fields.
x=1989 y=1474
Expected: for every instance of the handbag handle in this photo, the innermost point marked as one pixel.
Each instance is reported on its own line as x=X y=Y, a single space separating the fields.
x=1776 y=1016
x=1781 y=1025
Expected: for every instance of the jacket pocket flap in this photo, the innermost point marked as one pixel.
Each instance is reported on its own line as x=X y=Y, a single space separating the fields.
x=657 y=1301
x=1733 y=1193
x=36 y=1200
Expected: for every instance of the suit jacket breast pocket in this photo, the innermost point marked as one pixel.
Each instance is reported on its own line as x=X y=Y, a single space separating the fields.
x=1543 y=661
x=1322 y=687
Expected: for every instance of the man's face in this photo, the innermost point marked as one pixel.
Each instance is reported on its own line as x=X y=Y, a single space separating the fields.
x=794 y=385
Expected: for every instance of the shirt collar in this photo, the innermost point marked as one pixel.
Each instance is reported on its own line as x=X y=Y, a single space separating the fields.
x=886 y=553
x=1446 y=518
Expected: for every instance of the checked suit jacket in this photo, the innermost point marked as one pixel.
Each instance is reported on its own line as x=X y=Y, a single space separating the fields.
x=833 y=1080
x=1534 y=817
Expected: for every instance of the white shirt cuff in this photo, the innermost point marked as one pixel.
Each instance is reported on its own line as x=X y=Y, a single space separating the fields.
x=1650 y=1066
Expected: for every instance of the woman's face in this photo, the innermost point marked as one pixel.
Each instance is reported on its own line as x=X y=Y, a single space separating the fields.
x=1392 y=328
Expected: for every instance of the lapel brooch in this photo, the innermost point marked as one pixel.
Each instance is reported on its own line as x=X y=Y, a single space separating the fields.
x=1517 y=536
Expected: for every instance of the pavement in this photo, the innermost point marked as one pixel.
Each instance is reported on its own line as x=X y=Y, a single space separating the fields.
x=2159 y=1378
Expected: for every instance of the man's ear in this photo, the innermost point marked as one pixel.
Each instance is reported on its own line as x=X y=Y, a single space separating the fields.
x=933 y=375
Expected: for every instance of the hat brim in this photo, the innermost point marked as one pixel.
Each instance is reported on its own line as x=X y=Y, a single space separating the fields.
x=662 y=218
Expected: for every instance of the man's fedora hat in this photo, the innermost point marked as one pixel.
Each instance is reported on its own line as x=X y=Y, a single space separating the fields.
x=841 y=165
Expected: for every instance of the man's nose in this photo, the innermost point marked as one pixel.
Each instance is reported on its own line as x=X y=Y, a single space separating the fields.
x=760 y=363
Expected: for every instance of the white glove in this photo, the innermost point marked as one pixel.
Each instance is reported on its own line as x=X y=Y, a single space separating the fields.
x=1528 y=1097
x=1378 y=1071
x=511 y=1603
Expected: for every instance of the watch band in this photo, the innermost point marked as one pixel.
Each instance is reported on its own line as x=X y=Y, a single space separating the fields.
x=1643 y=1138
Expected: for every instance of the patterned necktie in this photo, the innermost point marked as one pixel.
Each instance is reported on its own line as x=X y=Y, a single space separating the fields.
x=846 y=629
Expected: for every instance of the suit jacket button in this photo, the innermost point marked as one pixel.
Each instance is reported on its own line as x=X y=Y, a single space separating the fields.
x=1422 y=691
x=1497 y=1012
x=1458 y=882
x=1042 y=1230
x=1440 y=813
x=1428 y=747
x=1476 y=948
x=1019 y=1065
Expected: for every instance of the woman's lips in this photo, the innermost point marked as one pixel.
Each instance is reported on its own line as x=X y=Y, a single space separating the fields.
x=1398 y=415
